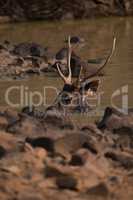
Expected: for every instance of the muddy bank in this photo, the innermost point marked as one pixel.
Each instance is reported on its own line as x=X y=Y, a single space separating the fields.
x=19 y=10
x=40 y=161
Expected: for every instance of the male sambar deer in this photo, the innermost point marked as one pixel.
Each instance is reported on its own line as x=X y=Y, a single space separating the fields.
x=75 y=95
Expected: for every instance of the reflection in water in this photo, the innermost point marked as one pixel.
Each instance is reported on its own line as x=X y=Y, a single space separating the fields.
x=98 y=34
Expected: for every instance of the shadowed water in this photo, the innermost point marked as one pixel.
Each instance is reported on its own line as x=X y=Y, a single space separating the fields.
x=98 y=34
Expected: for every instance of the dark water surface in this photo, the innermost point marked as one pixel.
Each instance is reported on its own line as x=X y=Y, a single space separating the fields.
x=98 y=34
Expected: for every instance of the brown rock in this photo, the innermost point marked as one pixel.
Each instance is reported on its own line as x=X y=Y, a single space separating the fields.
x=2 y=152
x=3 y=123
x=40 y=153
x=80 y=157
x=27 y=126
x=8 y=141
x=72 y=142
x=99 y=190
x=66 y=182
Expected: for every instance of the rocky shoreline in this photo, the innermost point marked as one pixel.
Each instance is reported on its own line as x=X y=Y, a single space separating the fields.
x=44 y=154
x=21 y=10
x=19 y=61
x=53 y=158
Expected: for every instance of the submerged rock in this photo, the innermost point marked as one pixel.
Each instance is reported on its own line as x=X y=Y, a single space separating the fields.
x=29 y=49
x=113 y=119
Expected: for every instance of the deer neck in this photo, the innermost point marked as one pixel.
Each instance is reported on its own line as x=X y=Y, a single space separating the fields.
x=68 y=88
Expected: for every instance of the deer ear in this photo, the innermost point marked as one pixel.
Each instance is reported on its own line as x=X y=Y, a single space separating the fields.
x=92 y=85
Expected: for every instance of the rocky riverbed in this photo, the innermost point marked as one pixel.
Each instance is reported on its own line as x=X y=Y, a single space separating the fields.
x=21 y=60
x=18 y=61
x=51 y=158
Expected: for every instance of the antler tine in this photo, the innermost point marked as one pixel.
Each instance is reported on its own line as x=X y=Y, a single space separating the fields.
x=112 y=51
x=106 y=61
x=60 y=73
x=110 y=55
x=67 y=80
x=69 y=58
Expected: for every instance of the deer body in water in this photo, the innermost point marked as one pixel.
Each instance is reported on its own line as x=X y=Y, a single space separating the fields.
x=75 y=95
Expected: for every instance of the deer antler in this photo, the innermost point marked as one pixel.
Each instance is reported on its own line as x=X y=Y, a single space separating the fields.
x=105 y=62
x=78 y=80
x=69 y=58
x=67 y=80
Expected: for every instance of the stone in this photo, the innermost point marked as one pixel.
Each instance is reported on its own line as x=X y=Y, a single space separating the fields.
x=79 y=158
x=42 y=142
x=99 y=190
x=3 y=123
x=66 y=182
x=2 y=152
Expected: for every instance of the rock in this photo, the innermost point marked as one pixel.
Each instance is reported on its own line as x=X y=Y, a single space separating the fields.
x=99 y=190
x=2 y=152
x=27 y=126
x=3 y=123
x=40 y=153
x=42 y=142
x=87 y=163
x=66 y=182
x=8 y=142
x=28 y=110
x=124 y=131
x=79 y=158
x=70 y=143
x=54 y=168
x=29 y=49
x=56 y=118
x=92 y=130
x=124 y=137
x=52 y=172
x=113 y=119
x=11 y=115
x=123 y=160
x=22 y=60
x=52 y=117
x=12 y=169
